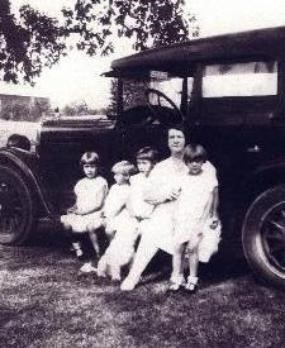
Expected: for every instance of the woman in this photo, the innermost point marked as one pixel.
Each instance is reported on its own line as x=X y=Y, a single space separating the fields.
x=163 y=191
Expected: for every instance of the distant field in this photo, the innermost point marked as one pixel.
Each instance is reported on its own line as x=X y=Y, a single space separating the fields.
x=7 y=128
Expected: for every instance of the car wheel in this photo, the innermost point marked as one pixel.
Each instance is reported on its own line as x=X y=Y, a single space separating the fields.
x=263 y=236
x=16 y=208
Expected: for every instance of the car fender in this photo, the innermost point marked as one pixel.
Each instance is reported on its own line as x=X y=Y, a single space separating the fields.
x=264 y=177
x=25 y=163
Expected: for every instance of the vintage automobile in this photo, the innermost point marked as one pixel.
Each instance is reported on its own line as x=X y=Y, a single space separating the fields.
x=229 y=91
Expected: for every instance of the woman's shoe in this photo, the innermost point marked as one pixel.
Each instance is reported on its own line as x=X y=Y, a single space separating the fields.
x=128 y=284
x=88 y=268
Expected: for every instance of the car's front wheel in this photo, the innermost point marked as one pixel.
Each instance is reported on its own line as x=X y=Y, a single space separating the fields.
x=16 y=208
x=263 y=236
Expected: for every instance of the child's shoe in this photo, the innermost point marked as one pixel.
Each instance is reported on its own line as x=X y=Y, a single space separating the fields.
x=191 y=284
x=78 y=253
x=175 y=283
x=76 y=247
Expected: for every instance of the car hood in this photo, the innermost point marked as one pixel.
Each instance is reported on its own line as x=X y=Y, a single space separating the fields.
x=78 y=122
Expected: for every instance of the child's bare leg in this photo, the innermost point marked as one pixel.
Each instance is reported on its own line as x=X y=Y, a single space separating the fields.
x=193 y=262
x=145 y=252
x=94 y=240
x=192 y=280
x=177 y=267
x=102 y=266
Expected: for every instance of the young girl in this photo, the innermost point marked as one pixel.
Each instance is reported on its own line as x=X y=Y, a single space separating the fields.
x=193 y=208
x=122 y=248
x=115 y=204
x=86 y=215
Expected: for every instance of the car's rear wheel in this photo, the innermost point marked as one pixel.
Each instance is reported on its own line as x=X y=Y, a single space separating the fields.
x=263 y=236
x=16 y=208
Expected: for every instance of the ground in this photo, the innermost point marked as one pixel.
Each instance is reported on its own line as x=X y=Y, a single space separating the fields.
x=45 y=302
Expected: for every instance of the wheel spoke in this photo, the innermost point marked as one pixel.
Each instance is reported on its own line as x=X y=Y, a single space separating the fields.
x=279 y=227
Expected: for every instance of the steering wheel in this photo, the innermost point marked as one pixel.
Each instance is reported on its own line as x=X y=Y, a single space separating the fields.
x=164 y=114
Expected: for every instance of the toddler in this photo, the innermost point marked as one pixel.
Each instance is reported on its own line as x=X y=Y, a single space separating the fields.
x=115 y=204
x=193 y=208
x=86 y=215
x=122 y=248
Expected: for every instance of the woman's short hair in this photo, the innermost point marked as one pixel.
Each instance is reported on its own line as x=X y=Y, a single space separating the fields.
x=90 y=157
x=194 y=152
x=124 y=167
x=180 y=127
x=147 y=153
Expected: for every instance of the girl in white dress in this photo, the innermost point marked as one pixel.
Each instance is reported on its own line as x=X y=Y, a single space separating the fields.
x=114 y=211
x=86 y=215
x=122 y=248
x=192 y=211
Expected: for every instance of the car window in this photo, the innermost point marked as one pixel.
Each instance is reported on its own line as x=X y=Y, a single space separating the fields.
x=171 y=86
x=240 y=79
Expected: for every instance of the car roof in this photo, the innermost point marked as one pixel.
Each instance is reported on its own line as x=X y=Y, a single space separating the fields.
x=263 y=44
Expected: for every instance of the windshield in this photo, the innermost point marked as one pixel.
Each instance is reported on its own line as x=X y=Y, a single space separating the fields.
x=171 y=86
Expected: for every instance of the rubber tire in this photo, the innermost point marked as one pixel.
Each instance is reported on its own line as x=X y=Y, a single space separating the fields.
x=19 y=236
x=252 y=239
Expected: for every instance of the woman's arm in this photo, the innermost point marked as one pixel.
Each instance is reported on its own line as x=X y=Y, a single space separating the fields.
x=158 y=190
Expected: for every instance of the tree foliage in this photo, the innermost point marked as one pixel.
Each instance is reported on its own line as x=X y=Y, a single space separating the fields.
x=33 y=40
x=27 y=44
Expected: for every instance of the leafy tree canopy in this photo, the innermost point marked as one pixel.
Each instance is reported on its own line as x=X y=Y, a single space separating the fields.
x=33 y=40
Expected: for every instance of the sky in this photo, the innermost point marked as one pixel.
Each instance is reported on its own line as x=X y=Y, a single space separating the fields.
x=77 y=76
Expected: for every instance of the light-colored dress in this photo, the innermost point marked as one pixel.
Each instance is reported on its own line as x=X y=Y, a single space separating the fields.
x=114 y=211
x=193 y=206
x=136 y=204
x=166 y=176
x=88 y=192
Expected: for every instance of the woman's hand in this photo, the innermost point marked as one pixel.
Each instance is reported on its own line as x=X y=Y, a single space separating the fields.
x=174 y=193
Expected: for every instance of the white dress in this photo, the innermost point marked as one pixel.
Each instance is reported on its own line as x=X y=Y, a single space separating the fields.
x=115 y=207
x=165 y=177
x=136 y=204
x=88 y=192
x=192 y=206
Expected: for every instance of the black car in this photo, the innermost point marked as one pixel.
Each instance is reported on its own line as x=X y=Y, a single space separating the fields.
x=228 y=90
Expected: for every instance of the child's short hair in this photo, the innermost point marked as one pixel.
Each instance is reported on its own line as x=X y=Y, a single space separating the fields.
x=90 y=157
x=124 y=167
x=194 y=152
x=147 y=153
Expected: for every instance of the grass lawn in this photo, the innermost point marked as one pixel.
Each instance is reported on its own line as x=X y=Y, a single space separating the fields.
x=44 y=302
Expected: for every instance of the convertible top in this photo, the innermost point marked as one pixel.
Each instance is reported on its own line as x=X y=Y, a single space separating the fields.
x=263 y=44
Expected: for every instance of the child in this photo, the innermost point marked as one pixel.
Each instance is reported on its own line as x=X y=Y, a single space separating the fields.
x=86 y=215
x=122 y=247
x=115 y=204
x=193 y=208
